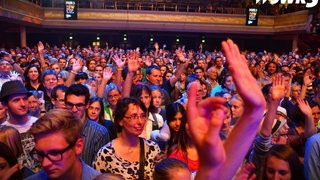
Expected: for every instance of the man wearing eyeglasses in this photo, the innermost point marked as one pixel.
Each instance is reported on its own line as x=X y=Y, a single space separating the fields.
x=59 y=143
x=95 y=135
x=57 y=96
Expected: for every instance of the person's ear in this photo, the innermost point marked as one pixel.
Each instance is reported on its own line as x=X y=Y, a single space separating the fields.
x=53 y=102
x=121 y=123
x=147 y=77
x=79 y=146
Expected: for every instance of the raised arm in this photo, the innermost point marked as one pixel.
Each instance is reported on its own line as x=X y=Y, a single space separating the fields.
x=76 y=67
x=183 y=65
x=218 y=160
x=107 y=74
x=240 y=139
x=133 y=66
x=309 y=126
x=205 y=122
x=41 y=55
x=277 y=93
x=120 y=65
x=307 y=79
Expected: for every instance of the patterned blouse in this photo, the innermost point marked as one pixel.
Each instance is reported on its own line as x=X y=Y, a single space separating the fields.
x=107 y=161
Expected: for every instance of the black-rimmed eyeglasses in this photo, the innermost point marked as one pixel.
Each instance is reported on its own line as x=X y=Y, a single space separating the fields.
x=70 y=105
x=53 y=156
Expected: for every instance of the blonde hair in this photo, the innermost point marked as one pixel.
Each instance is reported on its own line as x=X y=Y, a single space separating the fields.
x=58 y=120
x=11 y=137
x=236 y=97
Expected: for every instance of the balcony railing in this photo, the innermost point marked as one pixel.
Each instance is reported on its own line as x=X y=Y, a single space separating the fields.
x=216 y=6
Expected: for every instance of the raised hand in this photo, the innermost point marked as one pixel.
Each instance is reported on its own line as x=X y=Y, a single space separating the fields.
x=156 y=45
x=190 y=54
x=181 y=55
x=120 y=64
x=133 y=61
x=308 y=77
x=254 y=106
x=304 y=107
x=107 y=73
x=245 y=83
x=205 y=120
x=77 y=65
x=40 y=47
x=278 y=89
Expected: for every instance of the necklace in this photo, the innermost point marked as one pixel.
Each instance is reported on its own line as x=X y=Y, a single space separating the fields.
x=130 y=150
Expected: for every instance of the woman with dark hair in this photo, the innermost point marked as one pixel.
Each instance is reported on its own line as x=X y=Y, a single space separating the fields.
x=183 y=147
x=32 y=76
x=154 y=120
x=95 y=113
x=176 y=118
x=226 y=85
x=271 y=68
x=129 y=155
x=282 y=162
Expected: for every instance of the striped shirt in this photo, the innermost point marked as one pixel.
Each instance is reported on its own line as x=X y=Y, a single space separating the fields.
x=95 y=136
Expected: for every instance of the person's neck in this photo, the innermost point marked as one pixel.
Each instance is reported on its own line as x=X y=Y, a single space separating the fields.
x=48 y=91
x=34 y=83
x=74 y=173
x=211 y=79
x=113 y=107
x=130 y=141
x=83 y=119
x=18 y=120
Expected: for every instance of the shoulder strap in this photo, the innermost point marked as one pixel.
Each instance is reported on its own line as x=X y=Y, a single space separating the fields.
x=155 y=124
x=142 y=159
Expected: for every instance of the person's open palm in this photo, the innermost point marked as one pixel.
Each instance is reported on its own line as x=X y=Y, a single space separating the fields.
x=118 y=61
x=278 y=89
x=107 y=73
x=205 y=120
x=133 y=61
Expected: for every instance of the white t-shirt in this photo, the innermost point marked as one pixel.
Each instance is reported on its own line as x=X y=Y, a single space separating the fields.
x=22 y=128
x=148 y=127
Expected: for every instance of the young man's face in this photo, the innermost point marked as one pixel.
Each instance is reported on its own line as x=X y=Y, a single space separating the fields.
x=17 y=105
x=33 y=104
x=56 y=143
x=58 y=103
x=77 y=105
x=50 y=81
x=62 y=63
x=155 y=77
